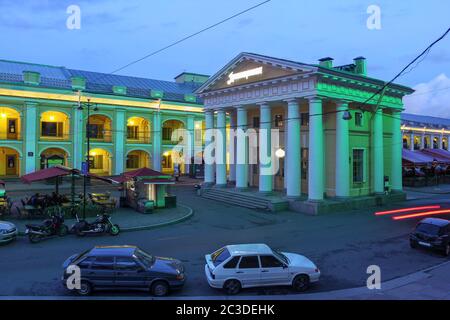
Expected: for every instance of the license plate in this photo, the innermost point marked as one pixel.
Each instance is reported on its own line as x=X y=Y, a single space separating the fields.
x=425 y=244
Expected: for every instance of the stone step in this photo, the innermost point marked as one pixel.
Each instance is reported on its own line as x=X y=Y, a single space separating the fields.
x=239 y=196
x=236 y=199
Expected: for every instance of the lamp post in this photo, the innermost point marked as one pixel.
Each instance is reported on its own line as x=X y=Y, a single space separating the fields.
x=88 y=151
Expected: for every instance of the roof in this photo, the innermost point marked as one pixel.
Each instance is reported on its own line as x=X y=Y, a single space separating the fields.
x=96 y=82
x=436 y=221
x=126 y=251
x=148 y=176
x=239 y=249
x=425 y=121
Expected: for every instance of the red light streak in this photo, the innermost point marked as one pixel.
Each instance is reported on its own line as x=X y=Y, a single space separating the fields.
x=421 y=214
x=380 y=213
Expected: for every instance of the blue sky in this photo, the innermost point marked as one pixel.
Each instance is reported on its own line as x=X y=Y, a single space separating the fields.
x=115 y=32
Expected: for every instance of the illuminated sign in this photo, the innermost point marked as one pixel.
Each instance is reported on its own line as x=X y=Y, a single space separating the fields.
x=233 y=77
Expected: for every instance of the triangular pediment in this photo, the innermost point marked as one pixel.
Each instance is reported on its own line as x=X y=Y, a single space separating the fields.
x=249 y=68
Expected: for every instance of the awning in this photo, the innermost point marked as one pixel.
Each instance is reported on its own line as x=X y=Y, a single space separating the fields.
x=157 y=181
x=44 y=174
x=439 y=154
x=144 y=174
x=2 y=182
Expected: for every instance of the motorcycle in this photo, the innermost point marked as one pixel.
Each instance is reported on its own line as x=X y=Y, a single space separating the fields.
x=50 y=227
x=102 y=224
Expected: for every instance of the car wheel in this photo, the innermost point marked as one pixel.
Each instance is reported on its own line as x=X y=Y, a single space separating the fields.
x=85 y=289
x=413 y=244
x=160 y=289
x=300 y=283
x=447 y=250
x=232 y=287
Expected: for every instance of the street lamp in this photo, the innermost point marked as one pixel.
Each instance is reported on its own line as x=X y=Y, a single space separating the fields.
x=88 y=106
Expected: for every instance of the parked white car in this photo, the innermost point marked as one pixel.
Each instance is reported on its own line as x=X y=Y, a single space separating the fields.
x=8 y=232
x=256 y=265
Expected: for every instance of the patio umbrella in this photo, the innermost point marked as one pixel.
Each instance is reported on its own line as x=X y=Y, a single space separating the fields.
x=49 y=173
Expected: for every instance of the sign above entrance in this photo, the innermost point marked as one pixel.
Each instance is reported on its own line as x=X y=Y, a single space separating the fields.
x=233 y=77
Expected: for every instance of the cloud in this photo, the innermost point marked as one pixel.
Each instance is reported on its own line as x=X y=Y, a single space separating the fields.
x=431 y=98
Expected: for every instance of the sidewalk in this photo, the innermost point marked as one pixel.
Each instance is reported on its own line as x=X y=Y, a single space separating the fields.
x=130 y=220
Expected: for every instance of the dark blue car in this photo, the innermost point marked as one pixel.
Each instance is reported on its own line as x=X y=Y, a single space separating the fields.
x=124 y=268
x=432 y=233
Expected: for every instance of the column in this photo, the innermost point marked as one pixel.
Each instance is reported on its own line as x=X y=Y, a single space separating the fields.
x=190 y=136
x=378 y=154
x=432 y=141
x=293 y=151
x=396 y=164
x=156 y=141
x=342 y=152
x=30 y=137
x=411 y=142
x=232 y=145
x=422 y=141
x=242 y=149
x=77 y=140
x=441 y=139
x=119 y=141
x=265 y=149
x=316 y=149
x=209 y=126
x=221 y=149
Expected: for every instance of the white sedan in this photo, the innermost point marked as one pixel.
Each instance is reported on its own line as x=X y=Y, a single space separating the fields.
x=234 y=267
x=8 y=232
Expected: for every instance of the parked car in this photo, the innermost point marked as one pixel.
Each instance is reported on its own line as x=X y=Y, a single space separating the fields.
x=8 y=232
x=234 y=267
x=432 y=233
x=125 y=268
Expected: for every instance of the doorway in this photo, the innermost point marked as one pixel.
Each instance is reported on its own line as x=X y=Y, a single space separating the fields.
x=11 y=165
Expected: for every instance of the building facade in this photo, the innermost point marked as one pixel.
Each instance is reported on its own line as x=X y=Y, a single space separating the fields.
x=425 y=132
x=327 y=155
x=132 y=121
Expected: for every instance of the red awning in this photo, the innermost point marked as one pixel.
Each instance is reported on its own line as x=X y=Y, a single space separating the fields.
x=44 y=174
x=2 y=182
x=143 y=172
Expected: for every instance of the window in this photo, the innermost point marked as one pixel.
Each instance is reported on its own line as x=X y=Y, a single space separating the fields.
x=133 y=132
x=255 y=122
x=103 y=263
x=278 y=120
x=125 y=263
x=133 y=161
x=249 y=262
x=85 y=264
x=232 y=263
x=270 y=262
x=220 y=256
x=358 y=165
x=96 y=162
x=96 y=131
x=51 y=129
x=358 y=119
x=167 y=134
x=304 y=119
x=167 y=161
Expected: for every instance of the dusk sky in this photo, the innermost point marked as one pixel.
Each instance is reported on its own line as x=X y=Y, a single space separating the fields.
x=114 y=33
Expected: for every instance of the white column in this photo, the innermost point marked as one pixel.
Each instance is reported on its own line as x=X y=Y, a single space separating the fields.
x=232 y=145
x=316 y=149
x=432 y=141
x=422 y=141
x=30 y=138
x=396 y=164
x=209 y=126
x=242 y=150
x=77 y=140
x=119 y=141
x=293 y=151
x=156 y=141
x=221 y=149
x=265 y=149
x=411 y=142
x=378 y=154
x=342 y=152
x=441 y=139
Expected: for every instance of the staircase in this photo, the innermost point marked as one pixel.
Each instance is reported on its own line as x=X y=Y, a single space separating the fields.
x=244 y=199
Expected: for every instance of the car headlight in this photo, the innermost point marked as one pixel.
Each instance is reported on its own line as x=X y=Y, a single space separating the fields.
x=180 y=276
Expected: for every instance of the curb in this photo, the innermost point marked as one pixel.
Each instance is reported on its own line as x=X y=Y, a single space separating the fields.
x=151 y=226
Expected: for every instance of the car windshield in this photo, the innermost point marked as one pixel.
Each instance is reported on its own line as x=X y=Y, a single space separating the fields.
x=80 y=256
x=428 y=228
x=280 y=256
x=220 y=256
x=144 y=257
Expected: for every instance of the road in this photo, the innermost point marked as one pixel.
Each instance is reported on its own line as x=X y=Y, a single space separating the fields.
x=343 y=245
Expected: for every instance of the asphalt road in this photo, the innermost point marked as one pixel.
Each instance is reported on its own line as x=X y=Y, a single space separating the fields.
x=343 y=245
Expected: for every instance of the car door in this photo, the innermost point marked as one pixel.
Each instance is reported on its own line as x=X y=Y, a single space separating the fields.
x=273 y=271
x=249 y=271
x=101 y=272
x=128 y=273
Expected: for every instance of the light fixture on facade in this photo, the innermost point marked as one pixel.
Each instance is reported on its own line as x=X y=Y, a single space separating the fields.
x=3 y=115
x=347 y=115
x=131 y=123
x=52 y=118
x=280 y=153
x=165 y=154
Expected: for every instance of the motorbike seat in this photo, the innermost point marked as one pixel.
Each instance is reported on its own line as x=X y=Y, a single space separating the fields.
x=33 y=226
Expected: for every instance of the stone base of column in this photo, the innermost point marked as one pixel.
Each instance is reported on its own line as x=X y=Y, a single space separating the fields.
x=208 y=184
x=242 y=189
x=265 y=193
x=294 y=198
x=220 y=186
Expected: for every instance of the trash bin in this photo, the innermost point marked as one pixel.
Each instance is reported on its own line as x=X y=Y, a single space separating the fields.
x=149 y=206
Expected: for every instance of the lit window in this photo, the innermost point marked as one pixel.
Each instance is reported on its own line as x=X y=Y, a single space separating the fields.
x=96 y=131
x=133 y=161
x=358 y=165
x=51 y=129
x=278 y=120
x=133 y=132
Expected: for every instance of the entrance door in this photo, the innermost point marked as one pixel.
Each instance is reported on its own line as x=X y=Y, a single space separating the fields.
x=11 y=165
x=12 y=129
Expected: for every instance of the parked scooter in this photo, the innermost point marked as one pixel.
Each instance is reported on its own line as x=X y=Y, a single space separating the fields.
x=50 y=227
x=102 y=224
